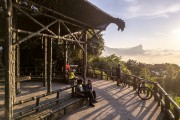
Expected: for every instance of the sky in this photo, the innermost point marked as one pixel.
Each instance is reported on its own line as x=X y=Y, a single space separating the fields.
x=155 y=24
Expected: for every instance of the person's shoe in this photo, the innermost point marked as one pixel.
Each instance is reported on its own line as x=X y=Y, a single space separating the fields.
x=91 y=105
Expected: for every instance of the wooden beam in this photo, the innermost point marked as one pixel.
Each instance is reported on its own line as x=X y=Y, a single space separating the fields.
x=45 y=35
x=34 y=20
x=35 y=33
x=73 y=36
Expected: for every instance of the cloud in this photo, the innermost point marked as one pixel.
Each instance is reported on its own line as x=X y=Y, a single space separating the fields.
x=150 y=9
x=139 y=8
x=176 y=31
x=159 y=33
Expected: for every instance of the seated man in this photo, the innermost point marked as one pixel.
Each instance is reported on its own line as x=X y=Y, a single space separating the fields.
x=82 y=93
x=89 y=87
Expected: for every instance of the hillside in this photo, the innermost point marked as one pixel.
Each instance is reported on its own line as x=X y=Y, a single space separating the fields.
x=146 y=56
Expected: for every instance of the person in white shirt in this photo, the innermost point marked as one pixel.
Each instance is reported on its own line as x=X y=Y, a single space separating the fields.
x=80 y=91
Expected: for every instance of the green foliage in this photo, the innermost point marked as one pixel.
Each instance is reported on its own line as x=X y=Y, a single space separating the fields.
x=177 y=100
x=95 y=45
x=138 y=69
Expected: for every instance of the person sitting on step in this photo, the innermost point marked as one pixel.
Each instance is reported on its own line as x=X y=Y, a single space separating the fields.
x=85 y=94
x=89 y=87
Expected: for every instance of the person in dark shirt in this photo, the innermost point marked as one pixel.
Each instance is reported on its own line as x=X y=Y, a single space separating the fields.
x=118 y=74
x=89 y=87
x=82 y=93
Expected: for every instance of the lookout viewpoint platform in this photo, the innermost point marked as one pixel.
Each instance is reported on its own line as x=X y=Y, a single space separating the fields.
x=114 y=102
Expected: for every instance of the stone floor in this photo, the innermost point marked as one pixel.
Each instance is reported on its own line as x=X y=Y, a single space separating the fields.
x=114 y=102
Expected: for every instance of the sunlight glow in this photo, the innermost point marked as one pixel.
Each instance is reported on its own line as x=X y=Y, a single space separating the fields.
x=177 y=33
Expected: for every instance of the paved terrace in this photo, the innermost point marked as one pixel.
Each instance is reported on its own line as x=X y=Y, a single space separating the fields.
x=114 y=103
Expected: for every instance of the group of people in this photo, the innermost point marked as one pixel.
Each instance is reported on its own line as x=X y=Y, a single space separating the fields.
x=82 y=89
x=86 y=91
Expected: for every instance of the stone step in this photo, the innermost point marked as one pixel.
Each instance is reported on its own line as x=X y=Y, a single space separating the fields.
x=57 y=111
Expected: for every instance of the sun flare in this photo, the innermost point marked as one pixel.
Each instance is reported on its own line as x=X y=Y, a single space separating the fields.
x=176 y=32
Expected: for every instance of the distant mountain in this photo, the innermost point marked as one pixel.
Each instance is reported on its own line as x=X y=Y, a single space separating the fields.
x=147 y=56
x=123 y=51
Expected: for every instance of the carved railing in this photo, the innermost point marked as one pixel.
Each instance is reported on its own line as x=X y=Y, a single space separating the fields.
x=169 y=108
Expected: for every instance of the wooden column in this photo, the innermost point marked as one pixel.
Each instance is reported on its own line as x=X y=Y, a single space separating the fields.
x=9 y=62
x=65 y=59
x=49 y=65
x=17 y=69
x=84 y=38
x=45 y=61
x=17 y=53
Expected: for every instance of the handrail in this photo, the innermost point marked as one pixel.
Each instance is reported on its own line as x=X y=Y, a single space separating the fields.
x=160 y=95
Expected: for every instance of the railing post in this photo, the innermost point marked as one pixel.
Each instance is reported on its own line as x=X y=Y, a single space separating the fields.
x=37 y=104
x=57 y=97
x=160 y=98
x=155 y=93
x=93 y=73
x=176 y=113
x=167 y=107
x=134 y=83
x=101 y=74
x=107 y=75
x=111 y=74
x=73 y=90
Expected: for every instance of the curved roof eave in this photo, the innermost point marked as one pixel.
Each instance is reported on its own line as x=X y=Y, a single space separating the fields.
x=83 y=11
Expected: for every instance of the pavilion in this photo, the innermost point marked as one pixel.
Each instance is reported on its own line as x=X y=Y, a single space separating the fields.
x=48 y=21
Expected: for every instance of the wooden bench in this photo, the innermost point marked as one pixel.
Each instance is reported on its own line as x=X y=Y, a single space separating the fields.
x=65 y=107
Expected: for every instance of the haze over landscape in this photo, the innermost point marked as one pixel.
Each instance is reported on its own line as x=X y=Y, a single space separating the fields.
x=152 y=23
x=154 y=56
